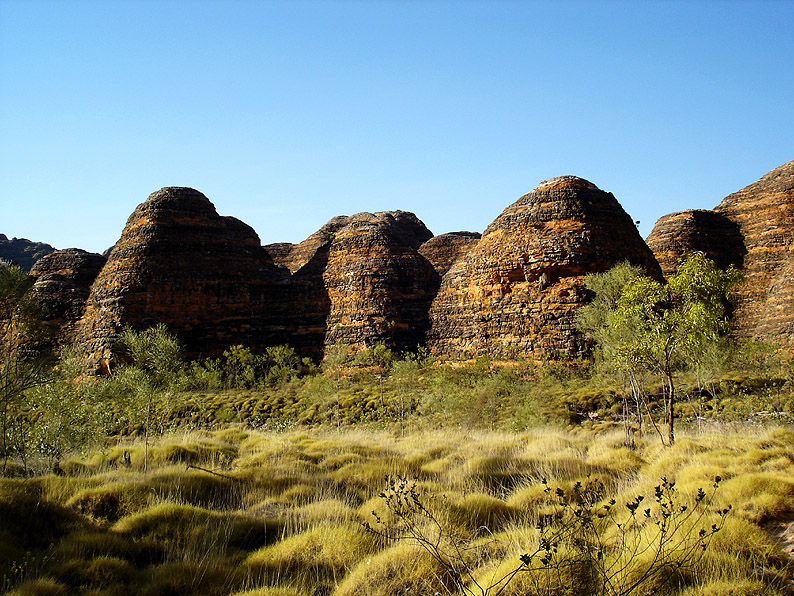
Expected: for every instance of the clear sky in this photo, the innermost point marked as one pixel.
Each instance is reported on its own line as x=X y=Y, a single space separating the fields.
x=286 y=114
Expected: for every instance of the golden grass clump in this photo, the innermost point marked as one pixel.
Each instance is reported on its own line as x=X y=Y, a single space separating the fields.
x=113 y=501
x=760 y=497
x=43 y=586
x=109 y=575
x=730 y=588
x=204 y=578
x=479 y=511
x=400 y=569
x=31 y=521
x=319 y=555
x=269 y=591
x=189 y=531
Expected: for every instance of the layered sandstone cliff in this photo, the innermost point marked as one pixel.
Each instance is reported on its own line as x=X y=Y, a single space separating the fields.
x=63 y=283
x=713 y=234
x=360 y=280
x=445 y=250
x=516 y=290
x=178 y=262
x=764 y=213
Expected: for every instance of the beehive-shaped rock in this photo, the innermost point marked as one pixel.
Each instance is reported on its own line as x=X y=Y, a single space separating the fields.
x=445 y=250
x=516 y=290
x=375 y=284
x=178 y=262
x=713 y=234
x=764 y=213
x=63 y=283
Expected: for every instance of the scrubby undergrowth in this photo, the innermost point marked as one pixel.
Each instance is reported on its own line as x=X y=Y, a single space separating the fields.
x=238 y=511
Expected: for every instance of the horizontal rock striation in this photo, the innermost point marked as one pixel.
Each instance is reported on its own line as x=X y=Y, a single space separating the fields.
x=378 y=286
x=713 y=234
x=178 y=262
x=445 y=250
x=62 y=286
x=764 y=213
x=516 y=290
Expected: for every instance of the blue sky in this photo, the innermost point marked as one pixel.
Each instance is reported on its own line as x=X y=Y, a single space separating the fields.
x=286 y=114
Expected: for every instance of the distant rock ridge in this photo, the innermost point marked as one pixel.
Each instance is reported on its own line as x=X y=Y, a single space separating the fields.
x=22 y=251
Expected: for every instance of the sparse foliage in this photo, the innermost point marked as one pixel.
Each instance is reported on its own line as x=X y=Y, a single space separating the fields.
x=605 y=548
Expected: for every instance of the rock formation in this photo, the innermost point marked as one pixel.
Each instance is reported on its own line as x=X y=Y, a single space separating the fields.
x=178 y=262
x=764 y=213
x=516 y=290
x=22 y=251
x=445 y=250
x=360 y=280
x=295 y=256
x=63 y=283
x=713 y=234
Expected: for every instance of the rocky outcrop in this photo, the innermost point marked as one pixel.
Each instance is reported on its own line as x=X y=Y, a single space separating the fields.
x=764 y=214
x=363 y=281
x=63 y=283
x=178 y=262
x=676 y=234
x=295 y=256
x=22 y=251
x=516 y=290
x=445 y=250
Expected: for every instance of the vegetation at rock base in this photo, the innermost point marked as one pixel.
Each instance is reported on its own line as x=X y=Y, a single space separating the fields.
x=259 y=473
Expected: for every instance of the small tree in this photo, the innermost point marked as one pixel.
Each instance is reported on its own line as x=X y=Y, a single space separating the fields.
x=67 y=413
x=660 y=327
x=152 y=379
x=337 y=356
x=23 y=363
x=596 y=320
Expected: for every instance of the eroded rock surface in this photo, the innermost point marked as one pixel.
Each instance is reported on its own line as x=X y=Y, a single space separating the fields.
x=445 y=250
x=713 y=234
x=178 y=262
x=516 y=290
x=63 y=283
x=764 y=213
x=376 y=285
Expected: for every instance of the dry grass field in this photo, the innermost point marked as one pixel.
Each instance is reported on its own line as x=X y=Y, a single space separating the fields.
x=303 y=513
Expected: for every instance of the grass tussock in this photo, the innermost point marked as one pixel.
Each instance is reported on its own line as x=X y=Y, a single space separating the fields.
x=282 y=514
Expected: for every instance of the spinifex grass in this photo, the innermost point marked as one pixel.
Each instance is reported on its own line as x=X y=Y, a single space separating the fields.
x=281 y=514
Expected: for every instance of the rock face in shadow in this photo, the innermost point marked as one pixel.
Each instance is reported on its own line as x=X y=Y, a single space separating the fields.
x=178 y=262
x=713 y=234
x=445 y=250
x=764 y=213
x=516 y=290
x=63 y=283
